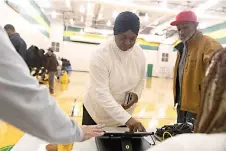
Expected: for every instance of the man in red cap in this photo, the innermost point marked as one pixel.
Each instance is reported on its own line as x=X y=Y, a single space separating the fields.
x=192 y=61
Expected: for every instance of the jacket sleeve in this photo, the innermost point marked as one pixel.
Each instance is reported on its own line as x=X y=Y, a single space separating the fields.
x=99 y=75
x=27 y=105
x=20 y=46
x=211 y=46
x=140 y=86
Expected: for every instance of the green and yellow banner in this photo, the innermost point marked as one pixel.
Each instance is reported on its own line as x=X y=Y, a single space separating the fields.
x=94 y=38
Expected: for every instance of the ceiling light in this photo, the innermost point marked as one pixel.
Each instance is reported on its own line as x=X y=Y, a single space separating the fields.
x=164 y=4
x=82 y=9
x=54 y=14
x=109 y=23
x=146 y=17
x=68 y=3
x=82 y=32
x=82 y=19
x=72 y=21
x=115 y=14
x=100 y=16
x=89 y=6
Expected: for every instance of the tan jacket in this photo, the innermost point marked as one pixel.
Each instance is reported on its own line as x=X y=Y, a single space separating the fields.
x=199 y=49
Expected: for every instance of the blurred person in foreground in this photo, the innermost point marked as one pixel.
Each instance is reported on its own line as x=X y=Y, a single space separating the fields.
x=117 y=68
x=210 y=127
x=192 y=60
x=28 y=106
x=18 y=43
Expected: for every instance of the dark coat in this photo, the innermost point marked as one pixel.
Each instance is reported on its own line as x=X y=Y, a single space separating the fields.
x=33 y=58
x=51 y=64
x=19 y=44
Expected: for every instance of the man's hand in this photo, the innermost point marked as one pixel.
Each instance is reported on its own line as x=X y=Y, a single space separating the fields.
x=135 y=125
x=88 y=132
x=92 y=131
x=133 y=99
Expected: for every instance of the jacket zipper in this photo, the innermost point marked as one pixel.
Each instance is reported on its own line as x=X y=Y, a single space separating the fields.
x=186 y=66
x=187 y=56
x=177 y=65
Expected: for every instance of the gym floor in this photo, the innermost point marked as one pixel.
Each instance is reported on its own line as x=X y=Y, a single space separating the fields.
x=154 y=109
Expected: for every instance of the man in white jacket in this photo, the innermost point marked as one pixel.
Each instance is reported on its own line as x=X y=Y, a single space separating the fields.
x=117 y=67
x=29 y=106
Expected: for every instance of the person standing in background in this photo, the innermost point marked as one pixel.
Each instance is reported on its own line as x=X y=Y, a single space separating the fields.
x=18 y=43
x=192 y=60
x=117 y=68
x=51 y=66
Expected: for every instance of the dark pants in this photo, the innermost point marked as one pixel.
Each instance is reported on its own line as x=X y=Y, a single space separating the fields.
x=185 y=116
x=51 y=81
x=86 y=118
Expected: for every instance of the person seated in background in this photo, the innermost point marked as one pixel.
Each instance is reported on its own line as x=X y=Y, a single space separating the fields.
x=117 y=68
x=18 y=43
x=192 y=61
x=210 y=127
x=51 y=66
x=66 y=65
x=32 y=57
x=35 y=59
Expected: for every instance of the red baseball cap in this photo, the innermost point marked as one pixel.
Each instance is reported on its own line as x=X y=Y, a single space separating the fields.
x=185 y=16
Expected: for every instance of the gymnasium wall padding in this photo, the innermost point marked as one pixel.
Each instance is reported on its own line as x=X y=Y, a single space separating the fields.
x=149 y=70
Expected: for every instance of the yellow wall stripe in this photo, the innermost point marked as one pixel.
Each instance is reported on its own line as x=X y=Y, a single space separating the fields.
x=217 y=34
x=92 y=36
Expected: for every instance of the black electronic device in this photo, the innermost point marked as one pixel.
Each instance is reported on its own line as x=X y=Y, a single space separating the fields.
x=128 y=98
x=123 y=141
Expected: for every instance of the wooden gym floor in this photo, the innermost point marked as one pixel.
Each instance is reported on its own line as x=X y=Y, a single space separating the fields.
x=154 y=109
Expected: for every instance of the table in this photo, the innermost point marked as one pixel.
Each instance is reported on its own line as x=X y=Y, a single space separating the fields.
x=30 y=143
